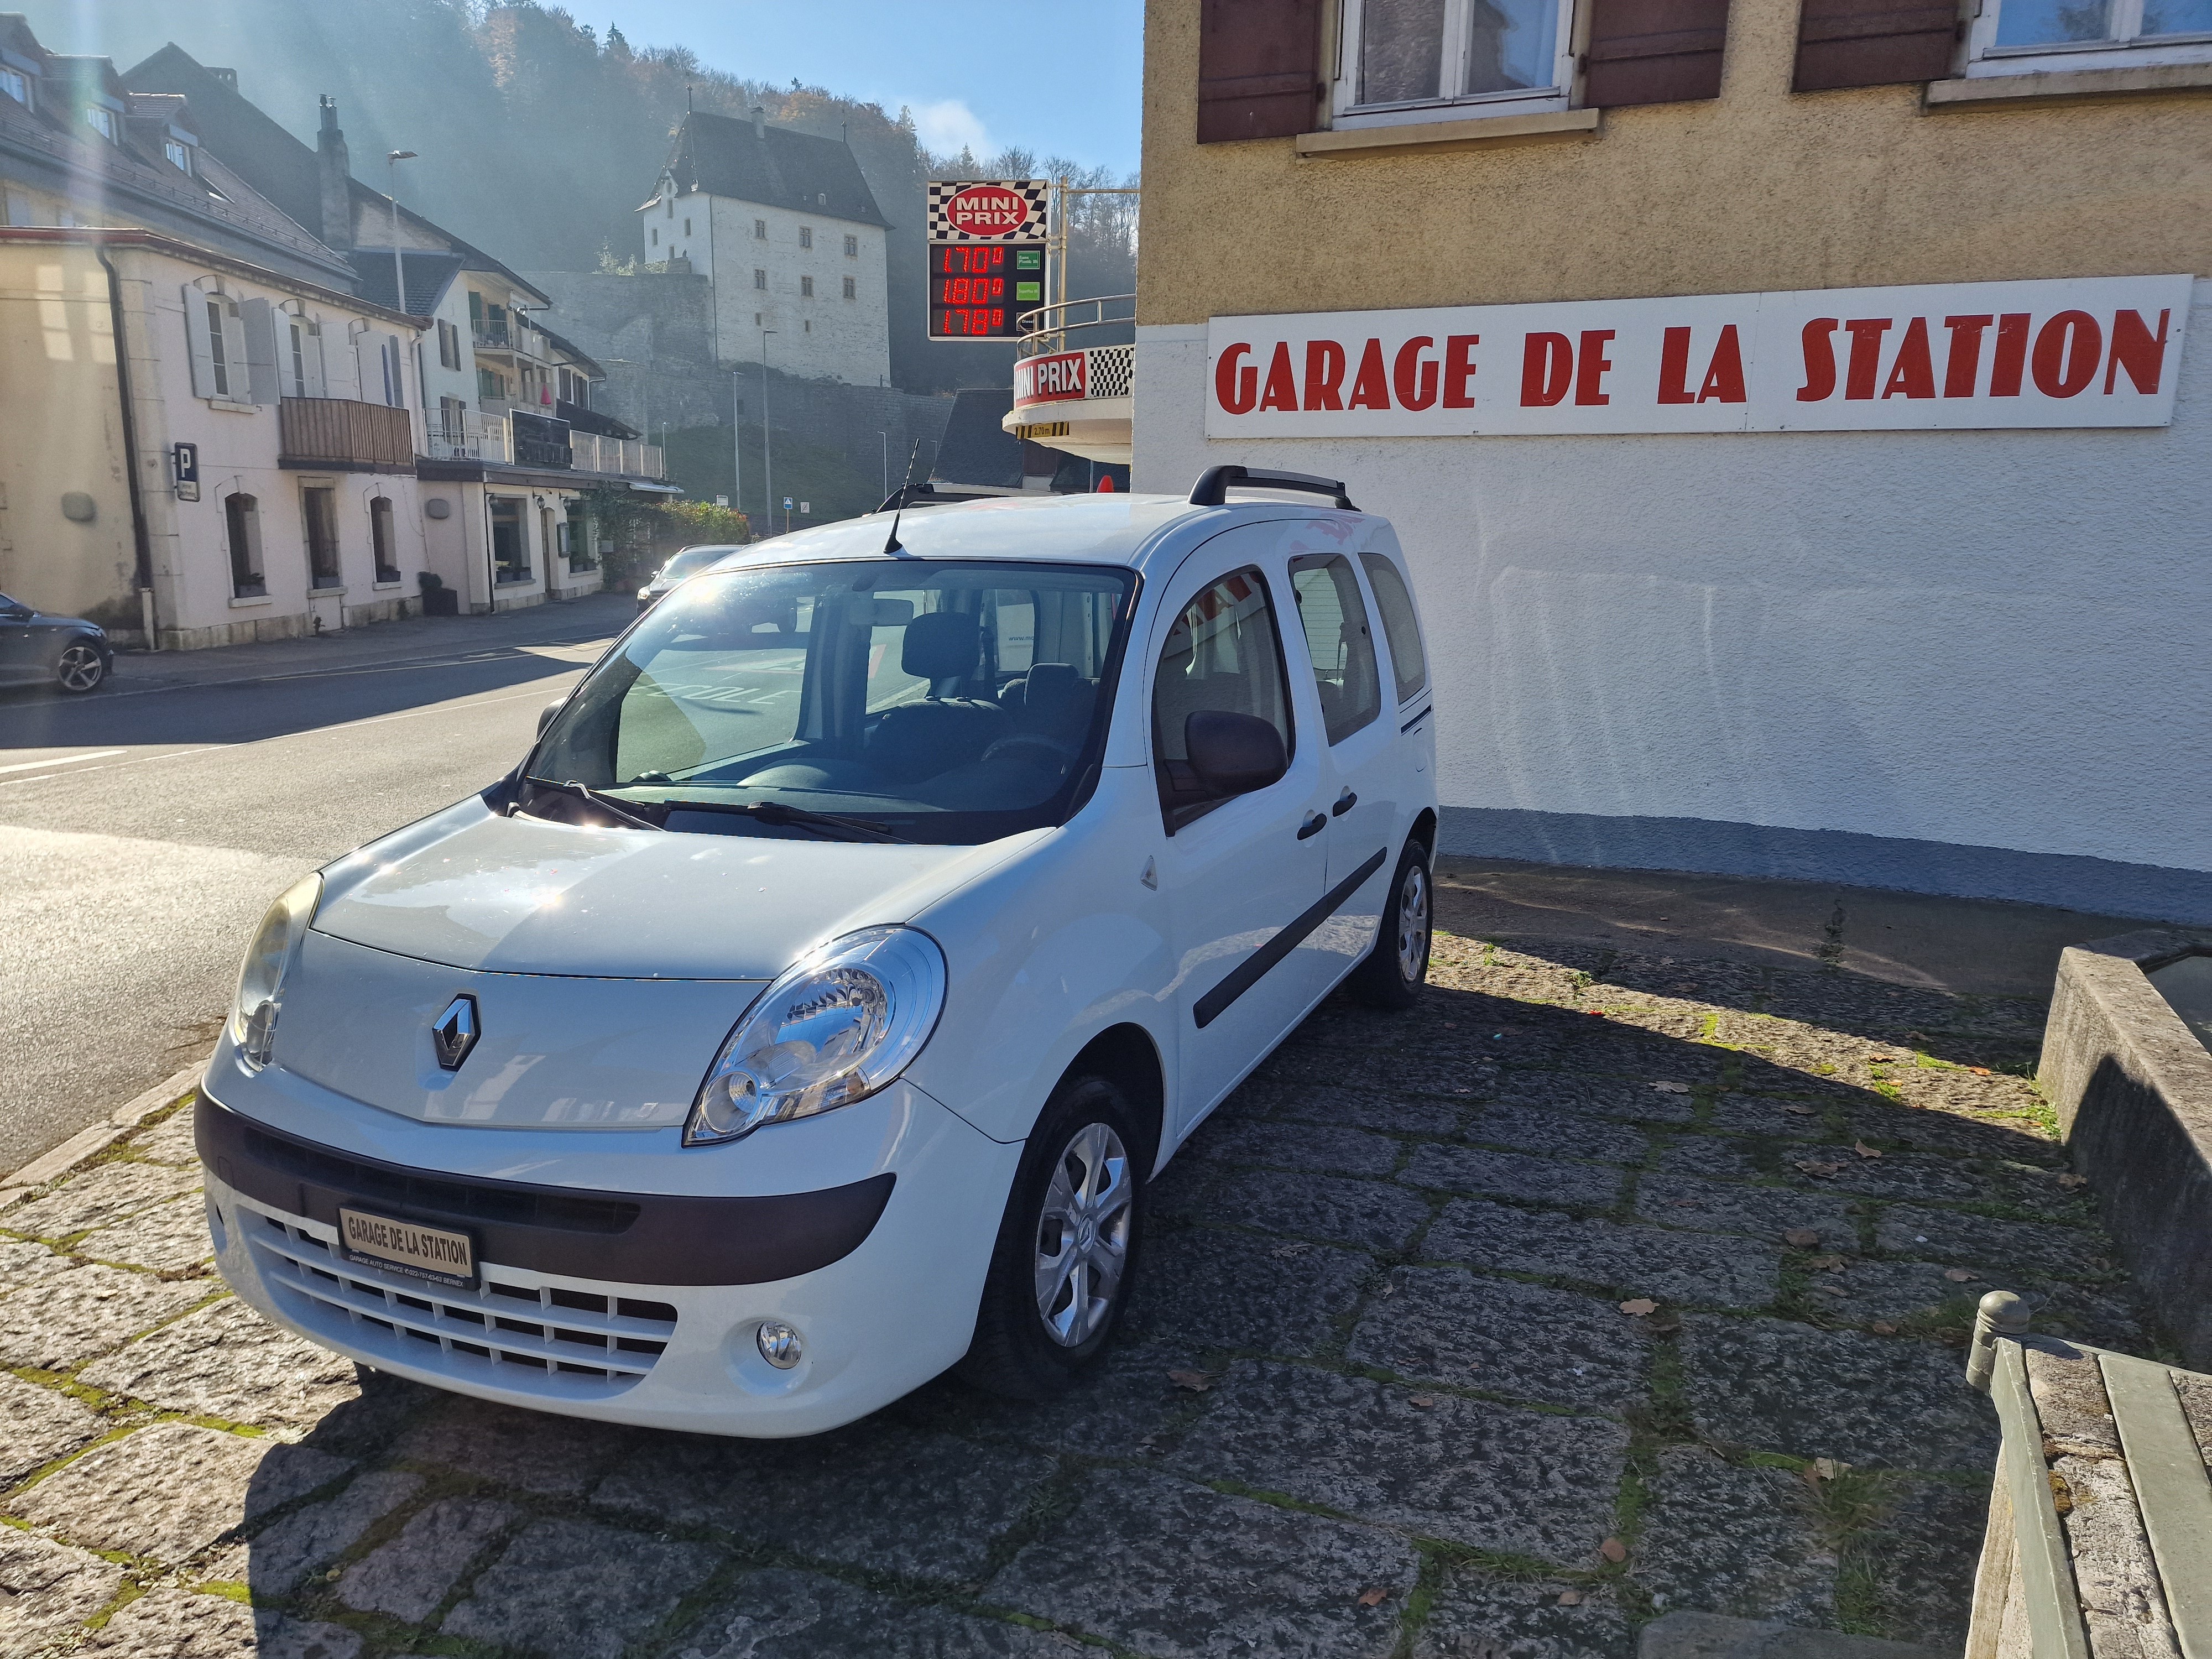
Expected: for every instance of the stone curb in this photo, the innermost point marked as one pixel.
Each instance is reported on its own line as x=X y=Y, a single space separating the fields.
x=100 y=1136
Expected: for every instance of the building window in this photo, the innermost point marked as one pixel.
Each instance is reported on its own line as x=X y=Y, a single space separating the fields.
x=180 y=155
x=852 y=288
x=760 y=278
x=451 y=440
x=806 y=236
x=1408 y=60
x=241 y=516
x=16 y=85
x=576 y=541
x=303 y=358
x=807 y=327
x=382 y=540
x=510 y=541
x=760 y=230
x=2088 y=35
x=852 y=247
x=319 y=506
x=491 y=386
x=215 y=332
x=806 y=288
x=219 y=313
x=655 y=234
x=449 y=345
x=687 y=225
x=102 y=121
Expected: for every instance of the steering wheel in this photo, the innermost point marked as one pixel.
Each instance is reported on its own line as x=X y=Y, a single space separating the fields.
x=1057 y=755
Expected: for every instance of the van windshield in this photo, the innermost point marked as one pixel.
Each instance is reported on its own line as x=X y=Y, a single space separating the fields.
x=940 y=701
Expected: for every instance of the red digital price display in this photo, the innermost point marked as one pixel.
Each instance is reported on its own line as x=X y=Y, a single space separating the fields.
x=979 y=290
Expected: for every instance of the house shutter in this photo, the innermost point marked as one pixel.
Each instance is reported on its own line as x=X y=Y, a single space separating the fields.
x=1654 y=52
x=1873 y=43
x=259 y=319
x=197 y=342
x=1259 y=69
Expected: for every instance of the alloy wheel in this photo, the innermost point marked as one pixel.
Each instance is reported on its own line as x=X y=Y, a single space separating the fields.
x=1413 y=924
x=80 y=669
x=1083 y=1235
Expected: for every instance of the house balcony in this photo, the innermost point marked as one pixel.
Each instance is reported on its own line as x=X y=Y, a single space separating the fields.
x=1070 y=395
x=340 y=435
x=519 y=439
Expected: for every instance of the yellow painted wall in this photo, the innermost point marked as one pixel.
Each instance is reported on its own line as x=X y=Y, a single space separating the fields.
x=1759 y=189
x=61 y=432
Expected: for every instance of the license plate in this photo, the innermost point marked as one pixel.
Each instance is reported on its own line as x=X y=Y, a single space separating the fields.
x=408 y=1247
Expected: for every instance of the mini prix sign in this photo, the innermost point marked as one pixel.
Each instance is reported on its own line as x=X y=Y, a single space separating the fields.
x=988 y=210
x=2086 y=352
x=1051 y=380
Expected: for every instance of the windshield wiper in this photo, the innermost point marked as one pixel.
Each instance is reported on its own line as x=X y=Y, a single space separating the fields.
x=775 y=812
x=592 y=797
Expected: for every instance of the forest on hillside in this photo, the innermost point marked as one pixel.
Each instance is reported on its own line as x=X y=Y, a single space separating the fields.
x=539 y=137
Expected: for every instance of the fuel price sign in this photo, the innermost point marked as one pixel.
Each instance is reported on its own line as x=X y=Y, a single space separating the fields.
x=979 y=290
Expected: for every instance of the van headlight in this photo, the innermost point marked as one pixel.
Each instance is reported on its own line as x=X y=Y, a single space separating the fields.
x=261 y=980
x=837 y=1027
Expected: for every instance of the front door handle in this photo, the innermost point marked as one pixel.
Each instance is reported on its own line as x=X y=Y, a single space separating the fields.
x=1345 y=803
x=1313 y=825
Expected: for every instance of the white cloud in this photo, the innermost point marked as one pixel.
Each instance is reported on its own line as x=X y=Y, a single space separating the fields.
x=949 y=125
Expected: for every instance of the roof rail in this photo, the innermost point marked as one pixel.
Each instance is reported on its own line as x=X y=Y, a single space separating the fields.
x=1213 y=484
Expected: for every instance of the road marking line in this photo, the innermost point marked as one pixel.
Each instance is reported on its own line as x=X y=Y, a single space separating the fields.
x=61 y=760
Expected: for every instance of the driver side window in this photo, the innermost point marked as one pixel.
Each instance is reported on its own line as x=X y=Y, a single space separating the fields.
x=1222 y=654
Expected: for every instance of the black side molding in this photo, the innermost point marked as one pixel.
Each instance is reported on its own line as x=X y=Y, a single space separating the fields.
x=1248 y=972
x=640 y=1238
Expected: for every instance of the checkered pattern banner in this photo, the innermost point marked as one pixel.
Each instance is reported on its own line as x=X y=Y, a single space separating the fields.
x=1033 y=191
x=1109 y=371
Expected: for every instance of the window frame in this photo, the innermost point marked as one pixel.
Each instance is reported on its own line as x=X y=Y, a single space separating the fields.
x=102 y=120
x=1333 y=735
x=806 y=236
x=852 y=287
x=806 y=288
x=1175 y=817
x=383 y=541
x=852 y=247
x=17 y=85
x=2123 y=48
x=760 y=279
x=180 y=155
x=319 y=530
x=1347 y=112
x=241 y=516
x=1368 y=561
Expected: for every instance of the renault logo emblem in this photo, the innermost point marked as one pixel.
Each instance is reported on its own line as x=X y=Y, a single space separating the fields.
x=455 y=1031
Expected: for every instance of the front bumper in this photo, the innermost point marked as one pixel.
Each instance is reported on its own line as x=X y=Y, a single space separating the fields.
x=649 y=1320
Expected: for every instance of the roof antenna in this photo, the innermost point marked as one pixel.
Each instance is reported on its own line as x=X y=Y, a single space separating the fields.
x=892 y=547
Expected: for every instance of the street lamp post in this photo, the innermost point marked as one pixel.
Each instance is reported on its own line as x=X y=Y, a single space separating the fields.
x=398 y=271
x=886 y=437
x=768 y=457
x=736 y=441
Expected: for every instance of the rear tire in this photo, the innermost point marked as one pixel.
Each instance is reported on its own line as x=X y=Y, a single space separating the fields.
x=1391 y=977
x=1067 y=1255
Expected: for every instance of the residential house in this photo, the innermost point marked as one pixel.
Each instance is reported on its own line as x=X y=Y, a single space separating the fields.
x=785 y=226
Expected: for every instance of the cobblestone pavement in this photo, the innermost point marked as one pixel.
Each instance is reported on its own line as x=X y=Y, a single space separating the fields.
x=1490 y=1330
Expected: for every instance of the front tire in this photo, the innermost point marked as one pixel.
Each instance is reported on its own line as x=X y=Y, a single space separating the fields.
x=1067 y=1255
x=1391 y=977
x=79 y=668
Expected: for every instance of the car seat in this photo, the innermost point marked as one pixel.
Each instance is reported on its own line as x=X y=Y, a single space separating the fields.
x=913 y=740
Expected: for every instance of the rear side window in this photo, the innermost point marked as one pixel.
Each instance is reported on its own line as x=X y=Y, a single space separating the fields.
x=1222 y=654
x=1407 y=660
x=1335 y=621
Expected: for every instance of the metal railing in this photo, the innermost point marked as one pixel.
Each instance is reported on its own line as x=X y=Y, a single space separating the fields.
x=473 y=438
x=630 y=457
x=1047 y=328
x=491 y=439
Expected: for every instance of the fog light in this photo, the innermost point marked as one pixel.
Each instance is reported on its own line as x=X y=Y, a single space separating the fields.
x=779 y=1344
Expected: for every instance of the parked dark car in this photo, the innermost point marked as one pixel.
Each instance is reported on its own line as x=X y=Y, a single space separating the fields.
x=680 y=569
x=39 y=649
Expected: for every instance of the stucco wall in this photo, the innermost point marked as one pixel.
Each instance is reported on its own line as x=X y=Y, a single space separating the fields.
x=1759 y=189
x=826 y=336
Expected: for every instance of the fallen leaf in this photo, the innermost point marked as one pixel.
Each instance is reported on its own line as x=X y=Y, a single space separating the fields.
x=1636 y=1306
x=1881 y=1060
x=1672 y=1088
x=1959 y=1275
x=1882 y=1328
x=1810 y=1475
x=1594 y=1014
x=1613 y=1550
x=1980 y=1070
x=1196 y=1382
x=1803 y=1237
x=1374 y=1596
x=1802 y=1111
x=2070 y=1181
x=1865 y=1151
x=1820 y=1171
x=1571 y=1598
x=1422 y=1402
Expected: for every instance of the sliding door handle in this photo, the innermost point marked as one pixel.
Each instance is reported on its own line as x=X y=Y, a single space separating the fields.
x=1313 y=825
x=1345 y=803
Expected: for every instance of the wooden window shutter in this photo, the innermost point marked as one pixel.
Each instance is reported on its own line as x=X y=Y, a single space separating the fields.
x=1259 y=69
x=1654 y=52
x=1873 y=43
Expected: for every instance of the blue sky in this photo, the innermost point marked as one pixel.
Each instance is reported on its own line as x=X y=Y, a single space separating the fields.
x=1056 y=77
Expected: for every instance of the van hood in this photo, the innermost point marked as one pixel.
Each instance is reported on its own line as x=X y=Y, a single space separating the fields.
x=470 y=889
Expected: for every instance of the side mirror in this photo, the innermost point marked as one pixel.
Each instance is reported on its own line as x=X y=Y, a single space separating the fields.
x=1234 y=754
x=545 y=714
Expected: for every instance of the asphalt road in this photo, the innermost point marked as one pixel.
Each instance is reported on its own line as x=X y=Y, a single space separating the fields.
x=145 y=828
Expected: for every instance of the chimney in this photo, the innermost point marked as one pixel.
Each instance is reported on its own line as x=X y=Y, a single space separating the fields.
x=760 y=122
x=337 y=171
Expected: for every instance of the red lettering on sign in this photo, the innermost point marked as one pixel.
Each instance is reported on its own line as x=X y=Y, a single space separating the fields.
x=2067 y=352
x=1324 y=375
x=1234 y=388
x=1282 y=389
x=2136 y=350
x=1963 y=367
x=1459 y=370
x=1674 y=367
x=1591 y=366
x=1820 y=360
x=1414 y=375
x=1723 y=381
x=1369 y=389
x=1547 y=367
x=1866 y=334
x=1912 y=375
x=986 y=210
x=2011 y=358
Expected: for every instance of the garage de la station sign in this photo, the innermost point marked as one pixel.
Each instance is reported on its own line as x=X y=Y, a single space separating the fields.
x=2084 y=352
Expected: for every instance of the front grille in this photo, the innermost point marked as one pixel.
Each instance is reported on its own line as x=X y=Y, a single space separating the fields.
x=513 y=1331
x=473 y=1201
